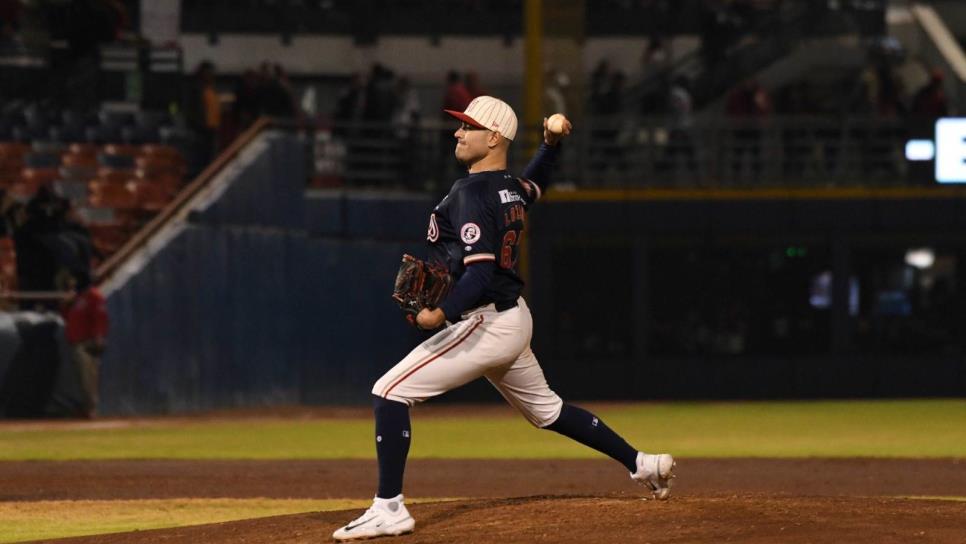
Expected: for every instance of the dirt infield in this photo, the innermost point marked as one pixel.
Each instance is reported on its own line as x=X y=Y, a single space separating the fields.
x=738 y=500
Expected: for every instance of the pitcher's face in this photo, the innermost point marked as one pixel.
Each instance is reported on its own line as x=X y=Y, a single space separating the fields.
x=472 y=143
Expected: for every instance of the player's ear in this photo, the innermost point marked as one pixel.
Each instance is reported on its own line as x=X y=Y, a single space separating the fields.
x=494 y=139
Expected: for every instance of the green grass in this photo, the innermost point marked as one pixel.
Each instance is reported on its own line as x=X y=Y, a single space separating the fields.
x=899 y=428
x=42 y=520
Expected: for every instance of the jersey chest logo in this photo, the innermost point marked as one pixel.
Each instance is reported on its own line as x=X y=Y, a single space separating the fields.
x=433 y=234
x=470 y=233
x=507 y=196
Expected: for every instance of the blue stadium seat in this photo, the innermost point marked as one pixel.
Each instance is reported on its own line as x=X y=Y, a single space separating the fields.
x=41 y=160
x=65 y=134
x=140 y=135
x=102 y=134
x=154 y=119
x=115 y=119
x=117 y=162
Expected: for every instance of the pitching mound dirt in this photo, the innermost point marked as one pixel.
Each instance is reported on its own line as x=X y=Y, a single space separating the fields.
x=563 y=519
x=741 y=500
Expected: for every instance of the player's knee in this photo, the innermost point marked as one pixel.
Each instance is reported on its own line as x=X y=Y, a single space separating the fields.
x=379 y=392
x=382 y=403
x=381 y=386
x=544 y=415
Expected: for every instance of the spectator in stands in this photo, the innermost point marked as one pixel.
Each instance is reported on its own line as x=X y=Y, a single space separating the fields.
x=473 y=86
x=408 y=109
x=456 y=96
x=929 y=102
x=348 y=106
x=35 y=241
x=680 y=145
x=405 y=122
x=278 y=98
x=86 y=24
x=795 y=100
x=879 y=90
x=246 y=108
x=718 y=28
x=203 y=110
x=12 y=214
x=86 y=325
x=878 y=94
x=656 y=57
x=599 y=84
x=557 y=82
x=748 y=105
x=380 y=95
x=377 y=112
x=46 y=239
x=608 y=150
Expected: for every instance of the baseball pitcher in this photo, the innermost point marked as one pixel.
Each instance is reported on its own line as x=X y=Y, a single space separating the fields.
x=469 y=283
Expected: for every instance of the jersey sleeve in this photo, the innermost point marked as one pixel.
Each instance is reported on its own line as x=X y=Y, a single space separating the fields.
x=475 y=225
x=537 y=175
x=531 y=191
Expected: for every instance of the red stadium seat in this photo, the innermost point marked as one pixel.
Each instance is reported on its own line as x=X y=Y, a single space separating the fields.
x=10 y=166
x=160 y=165
x=121 y=149
x=78 y=172
x=107 y=194
x=112 y=175
x=159 y=150
x=152 y=196
x=79 y=159
x=13 y=149
x=89 y=150
x=39 y=176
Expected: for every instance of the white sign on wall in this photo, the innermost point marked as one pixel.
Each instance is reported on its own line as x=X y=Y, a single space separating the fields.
x=951 y=150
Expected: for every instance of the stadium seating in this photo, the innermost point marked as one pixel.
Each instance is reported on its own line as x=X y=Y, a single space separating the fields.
x=117 y=168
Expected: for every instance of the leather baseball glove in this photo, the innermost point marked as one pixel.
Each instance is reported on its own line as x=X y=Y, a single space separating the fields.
x=420 y=285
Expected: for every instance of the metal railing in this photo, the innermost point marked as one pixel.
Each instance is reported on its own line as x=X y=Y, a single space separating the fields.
x=716 y=152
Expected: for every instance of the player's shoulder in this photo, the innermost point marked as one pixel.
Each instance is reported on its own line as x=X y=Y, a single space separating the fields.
x=484 y=185
x=495 y=189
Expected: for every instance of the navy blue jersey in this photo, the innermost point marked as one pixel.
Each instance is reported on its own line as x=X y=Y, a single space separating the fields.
x=482 y=219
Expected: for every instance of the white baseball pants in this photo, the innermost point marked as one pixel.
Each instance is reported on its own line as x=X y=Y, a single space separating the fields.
x=486 y=343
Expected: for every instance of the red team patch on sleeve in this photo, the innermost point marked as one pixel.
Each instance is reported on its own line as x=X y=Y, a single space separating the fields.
x=470 y=233
x=433 y=234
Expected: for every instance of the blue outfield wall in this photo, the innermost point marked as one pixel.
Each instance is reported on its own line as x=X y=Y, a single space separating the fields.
x=239 y=305
x=267 y=294
x=235 y=316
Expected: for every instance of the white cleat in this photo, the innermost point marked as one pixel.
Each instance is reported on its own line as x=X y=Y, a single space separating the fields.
x=386 y=517
x=656 y=472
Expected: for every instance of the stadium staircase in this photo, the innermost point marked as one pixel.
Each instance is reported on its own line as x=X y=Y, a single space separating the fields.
x=772 y=38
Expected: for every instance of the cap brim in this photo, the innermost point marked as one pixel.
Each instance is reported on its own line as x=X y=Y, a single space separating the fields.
x=465 y=118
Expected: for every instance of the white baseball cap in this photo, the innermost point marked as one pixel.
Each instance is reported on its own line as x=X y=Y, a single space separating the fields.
x=489 y=113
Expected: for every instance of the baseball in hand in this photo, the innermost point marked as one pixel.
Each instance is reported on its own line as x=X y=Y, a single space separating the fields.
x=556 y=123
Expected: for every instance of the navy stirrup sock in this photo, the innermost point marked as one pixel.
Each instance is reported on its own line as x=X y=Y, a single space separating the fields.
x=586 y=428
x=392 y=445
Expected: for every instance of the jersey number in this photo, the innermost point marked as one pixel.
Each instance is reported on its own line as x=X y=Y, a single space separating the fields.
x=508 y=249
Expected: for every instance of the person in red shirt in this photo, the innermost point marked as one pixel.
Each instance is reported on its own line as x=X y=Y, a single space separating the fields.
x=930 y=101
x=456 y=94
x=472 y=83
x=86 y=324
